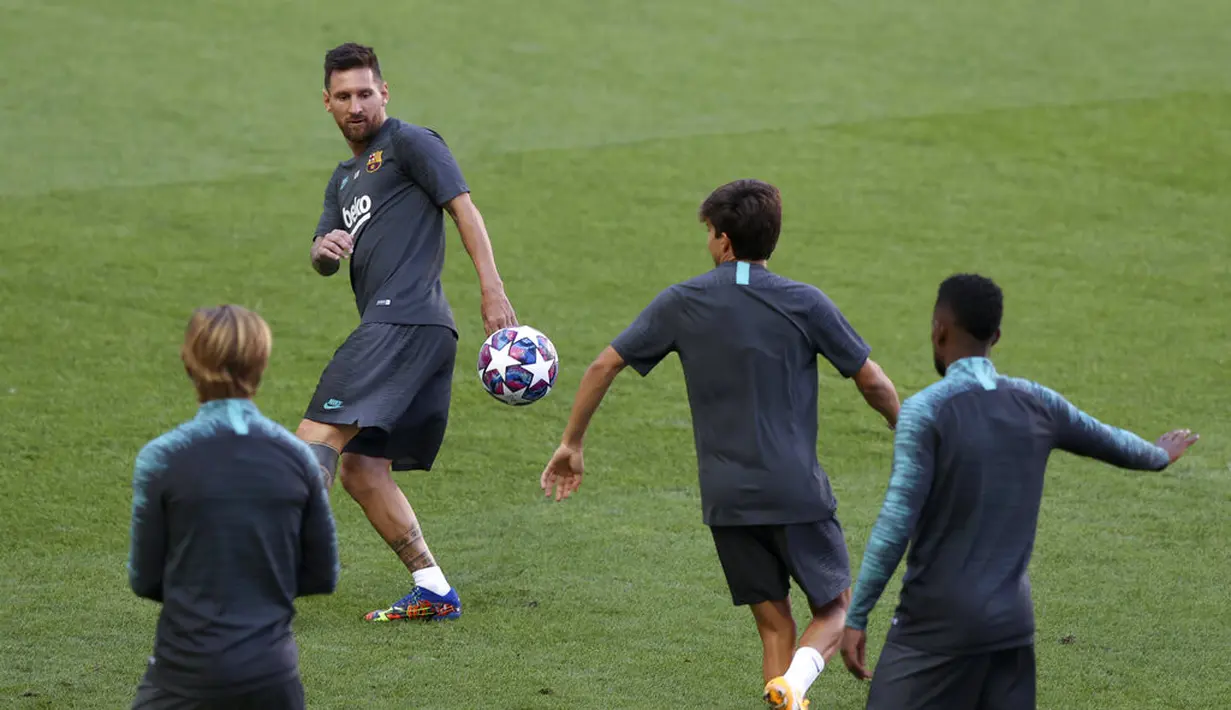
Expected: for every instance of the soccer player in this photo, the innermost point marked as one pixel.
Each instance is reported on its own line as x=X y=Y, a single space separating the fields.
x=230 y=523
x=748 y=341
x=968 y=465
x=382 y=403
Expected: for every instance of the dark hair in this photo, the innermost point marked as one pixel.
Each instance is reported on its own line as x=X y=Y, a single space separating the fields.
x=749 y=212
x=976 y=302
x=350 y=56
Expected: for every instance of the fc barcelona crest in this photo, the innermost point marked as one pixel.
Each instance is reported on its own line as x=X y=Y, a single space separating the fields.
x=374 y=161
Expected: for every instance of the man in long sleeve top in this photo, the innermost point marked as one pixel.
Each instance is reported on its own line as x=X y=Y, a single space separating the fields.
x=230 y=523
x=969 y=457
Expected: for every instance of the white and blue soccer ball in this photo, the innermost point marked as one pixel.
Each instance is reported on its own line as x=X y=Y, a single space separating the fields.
x=518 y=365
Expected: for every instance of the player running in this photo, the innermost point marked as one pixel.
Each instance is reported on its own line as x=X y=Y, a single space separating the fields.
x=765 y=497
x=230 y=523
x=383 y=401
x=967 y=480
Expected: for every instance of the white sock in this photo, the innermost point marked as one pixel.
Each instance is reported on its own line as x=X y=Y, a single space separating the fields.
x=805 y=667
x=432 y=579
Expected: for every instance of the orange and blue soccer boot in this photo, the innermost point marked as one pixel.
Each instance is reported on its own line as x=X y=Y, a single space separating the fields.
x=779 y=695
x=421 y=604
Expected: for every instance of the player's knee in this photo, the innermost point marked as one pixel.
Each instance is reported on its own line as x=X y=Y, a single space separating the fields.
x=330 y=434
x=361 y=476
x=838 y=605
x=774 y=618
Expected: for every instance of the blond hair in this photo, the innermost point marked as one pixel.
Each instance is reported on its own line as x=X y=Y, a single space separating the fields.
x=225 y=352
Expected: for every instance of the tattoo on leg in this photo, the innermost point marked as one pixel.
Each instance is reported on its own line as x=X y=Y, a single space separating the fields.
x=327 y=459
x=412 y=551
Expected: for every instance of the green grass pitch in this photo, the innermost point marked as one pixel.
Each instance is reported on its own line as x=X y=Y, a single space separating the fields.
x=161 y=156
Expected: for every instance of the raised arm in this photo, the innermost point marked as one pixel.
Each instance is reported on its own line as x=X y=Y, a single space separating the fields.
x=148 y=545
x=1081 y=434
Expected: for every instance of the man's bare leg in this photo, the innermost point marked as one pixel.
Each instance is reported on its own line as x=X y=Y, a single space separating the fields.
x=776 y=626
x=370 y=482
x=817 y=644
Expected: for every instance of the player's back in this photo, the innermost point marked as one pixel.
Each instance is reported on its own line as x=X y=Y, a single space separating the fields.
x=748 y=341
x=233 y=490
x=966 y=584
x=987 y=440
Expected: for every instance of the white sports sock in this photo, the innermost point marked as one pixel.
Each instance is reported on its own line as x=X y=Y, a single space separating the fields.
x=805 y=667
x=433 y=580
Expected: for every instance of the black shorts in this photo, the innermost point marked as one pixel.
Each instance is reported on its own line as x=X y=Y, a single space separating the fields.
x=288 y=695
x=909 y=679
x=760 y=561
x=394 y=382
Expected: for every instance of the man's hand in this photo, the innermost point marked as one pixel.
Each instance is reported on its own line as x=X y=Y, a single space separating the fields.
x=854 y=652
x=563 y=472
x=496 y=310
x=1175 y=443
x=329 y=250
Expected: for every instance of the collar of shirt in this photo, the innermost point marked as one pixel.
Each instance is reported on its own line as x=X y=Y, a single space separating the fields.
x=973 y=368
x=216 y=407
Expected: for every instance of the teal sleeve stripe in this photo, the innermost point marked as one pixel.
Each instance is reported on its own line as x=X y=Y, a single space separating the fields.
x=1084 y=435
x=149 y=461
x=903 y=501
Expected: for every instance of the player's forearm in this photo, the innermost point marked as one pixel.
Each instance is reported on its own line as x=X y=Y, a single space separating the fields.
x=478 y=244
x=147 y=547
x=886 y=545
x=594 y=385
x=144 y=560
x=878 y=391
x=908 y=489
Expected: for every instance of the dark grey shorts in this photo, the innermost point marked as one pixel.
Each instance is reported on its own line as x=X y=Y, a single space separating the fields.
x=394 y=382
x=909 y=679
x=283 y=696
x=761 y=560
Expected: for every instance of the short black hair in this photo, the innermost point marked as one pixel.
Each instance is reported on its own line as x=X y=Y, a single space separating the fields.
x=749 y=212
x=976 y=302
x=350 y=56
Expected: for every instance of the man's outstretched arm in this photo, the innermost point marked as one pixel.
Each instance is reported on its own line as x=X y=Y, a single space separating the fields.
x=564 y=471
x=1081 y=434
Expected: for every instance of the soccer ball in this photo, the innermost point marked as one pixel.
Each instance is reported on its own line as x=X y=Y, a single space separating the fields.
x=518 y=365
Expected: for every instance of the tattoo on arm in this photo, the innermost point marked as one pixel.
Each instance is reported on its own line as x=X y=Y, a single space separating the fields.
x=412 y=550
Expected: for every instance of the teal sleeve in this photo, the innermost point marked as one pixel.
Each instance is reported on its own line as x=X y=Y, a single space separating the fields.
x=913 y=464
x=148 y=533
x=1081 y=434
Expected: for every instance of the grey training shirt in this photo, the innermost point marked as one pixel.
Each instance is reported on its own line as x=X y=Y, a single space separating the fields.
x=390 y=199
x=748 y=341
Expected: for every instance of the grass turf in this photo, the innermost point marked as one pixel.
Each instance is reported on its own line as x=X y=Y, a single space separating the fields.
x=164 y=156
